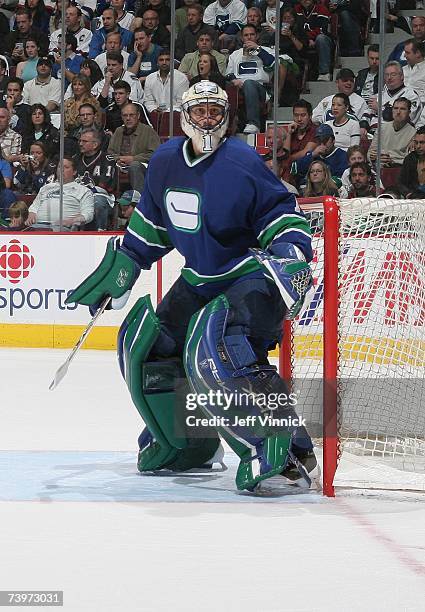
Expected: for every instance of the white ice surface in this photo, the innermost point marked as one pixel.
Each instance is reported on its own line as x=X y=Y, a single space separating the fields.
x=300 y=553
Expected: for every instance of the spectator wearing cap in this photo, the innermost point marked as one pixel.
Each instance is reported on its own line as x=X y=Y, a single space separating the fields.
x=366 y=83
x=127 y=203
x=334 y=157
x=394 y=89
x=414 y=70
x=73 y=26
x=316 y=19
x=396 y=136
x=345 y=84
x=72 y=60
x=44 y=89
x=110 y=24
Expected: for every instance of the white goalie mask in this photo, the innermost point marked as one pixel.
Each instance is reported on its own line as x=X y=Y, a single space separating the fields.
x=205 y=131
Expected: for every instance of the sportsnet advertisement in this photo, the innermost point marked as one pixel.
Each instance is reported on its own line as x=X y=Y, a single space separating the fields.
x=38 y=271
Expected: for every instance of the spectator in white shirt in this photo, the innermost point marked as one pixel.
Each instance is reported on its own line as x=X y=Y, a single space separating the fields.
x=157 y=86
x=113 y=43
x=396 y=136
x=345 y=84
x=115 y=72
x=346 y=129
x=414 y=71
x=73 y=26
x=44 y=89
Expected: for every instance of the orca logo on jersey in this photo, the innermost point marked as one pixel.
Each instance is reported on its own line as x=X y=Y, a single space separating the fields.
x=183 y=208
x=122 y=277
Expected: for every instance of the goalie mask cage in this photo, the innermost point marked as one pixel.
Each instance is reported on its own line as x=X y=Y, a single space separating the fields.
x=356 y=357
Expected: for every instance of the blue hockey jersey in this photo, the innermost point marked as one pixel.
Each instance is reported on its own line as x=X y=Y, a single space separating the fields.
x=212 y=209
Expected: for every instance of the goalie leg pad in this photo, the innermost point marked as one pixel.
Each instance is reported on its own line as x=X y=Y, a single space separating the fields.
x=218 y=358
x=152 y=385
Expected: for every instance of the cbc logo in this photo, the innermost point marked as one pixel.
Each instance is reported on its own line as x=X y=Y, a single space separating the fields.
x=16 y=261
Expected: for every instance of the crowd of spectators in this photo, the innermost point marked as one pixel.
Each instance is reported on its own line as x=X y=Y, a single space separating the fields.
x=115 y=98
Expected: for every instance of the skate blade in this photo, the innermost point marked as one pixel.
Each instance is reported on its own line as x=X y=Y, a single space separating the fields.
x=205 y=469
x=301 y=483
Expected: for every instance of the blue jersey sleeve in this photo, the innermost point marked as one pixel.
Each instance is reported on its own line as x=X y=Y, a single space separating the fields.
x=146 y=238
x=277 y=217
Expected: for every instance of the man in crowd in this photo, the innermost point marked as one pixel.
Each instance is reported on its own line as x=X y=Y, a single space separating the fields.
x=316 y=19
x=115 y=72
x=159 y=34
x=188 y=37
x=325 y=150
x=412 y=174
x=96 y=170
x=362 y=181
x=87 y=120
x=189 y=64
x=73 y=26
x=110 y=24
x=250 y=70
x=366 y=83
x=157 y=86
x=132 y=145
x=113 y=43
x=122 y=92
x=394 y=88
x=144 y=59
x=20 y=113
x=227 y=17
x=73 y=60
x=301 y=133
x=13 y=44
x=414 y=70
x=44 y=89
x=10 y=141
x=396 y=136
x=344 y=84
x=418 y=33
x=124 y=18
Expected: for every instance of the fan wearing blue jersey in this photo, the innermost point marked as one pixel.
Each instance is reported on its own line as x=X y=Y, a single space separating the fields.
x=246 y=246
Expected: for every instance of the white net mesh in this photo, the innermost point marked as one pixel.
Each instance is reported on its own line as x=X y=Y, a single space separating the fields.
x=381 y=413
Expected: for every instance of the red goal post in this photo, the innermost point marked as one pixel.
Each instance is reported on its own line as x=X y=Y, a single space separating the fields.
x=358 y=352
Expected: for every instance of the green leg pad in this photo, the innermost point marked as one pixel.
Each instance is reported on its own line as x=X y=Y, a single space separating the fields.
x=153 y=457
x=275 y=455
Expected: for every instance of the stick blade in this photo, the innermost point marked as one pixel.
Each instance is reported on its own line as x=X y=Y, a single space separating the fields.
x=58 y=376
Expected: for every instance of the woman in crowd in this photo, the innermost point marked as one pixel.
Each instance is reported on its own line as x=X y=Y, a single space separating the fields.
x=41 y=130
x=27 y=69
x=40 y=16
x=91 y=69
x=345 y=128
x=319 y=181
x=81 y=94
x=208 y=70
x=35 y=169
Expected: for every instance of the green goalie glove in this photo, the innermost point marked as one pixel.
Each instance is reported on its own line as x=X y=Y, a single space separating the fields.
x=114 y=277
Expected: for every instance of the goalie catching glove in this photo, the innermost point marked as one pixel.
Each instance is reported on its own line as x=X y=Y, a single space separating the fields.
x=114 y=277
x=291 y=273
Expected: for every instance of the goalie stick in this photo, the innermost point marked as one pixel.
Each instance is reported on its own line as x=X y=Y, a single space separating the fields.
x=61 y=372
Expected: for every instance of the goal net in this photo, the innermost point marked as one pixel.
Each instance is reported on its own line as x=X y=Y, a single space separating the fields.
x=358 y=352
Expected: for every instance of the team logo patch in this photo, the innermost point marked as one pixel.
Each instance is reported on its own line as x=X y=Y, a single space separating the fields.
x=184 y=209
x=122 y=277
